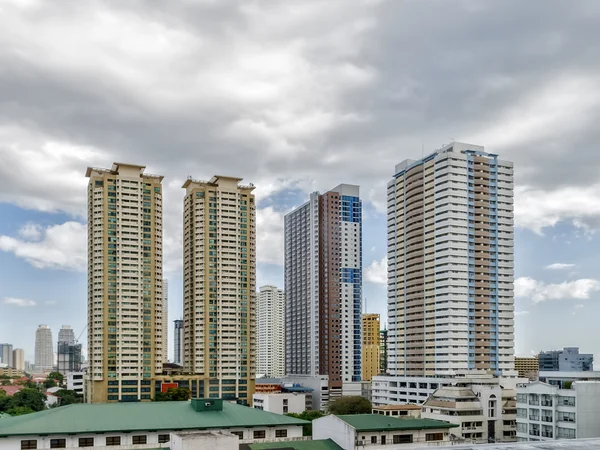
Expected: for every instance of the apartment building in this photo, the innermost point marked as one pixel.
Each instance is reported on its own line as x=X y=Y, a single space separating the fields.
x=527 y=367
x=125 y=296
x=19 y=359
x=450 y=263
x=220 y=286
x=383 y=351
x=6 y=355
x=323 y=286
x=569 y=408
x=567 y=360
x=270 y=332
x=370 y=346
x=178 y=341
x=44 y=349
x=165 y=321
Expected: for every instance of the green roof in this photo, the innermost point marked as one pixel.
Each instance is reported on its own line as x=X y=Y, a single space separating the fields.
x=117 y=417
x=326 y=444
x=378 y=422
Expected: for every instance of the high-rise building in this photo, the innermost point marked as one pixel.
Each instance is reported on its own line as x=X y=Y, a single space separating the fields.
x=6 y=355
x=527 y=367
x=450 y=263
x=219 y=295
x=270 y=332
x=370 y=346
x=383 y=351
x=44 y=349
x=323 y=287
x=567 y=360
x=19 y=359
x=165 y=320
x=125 y=296
x=68 y=354
x=178 y=342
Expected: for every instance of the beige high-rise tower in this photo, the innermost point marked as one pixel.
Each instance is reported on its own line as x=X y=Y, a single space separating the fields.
x=125 y=297
x=370 y=346
x=220 y=286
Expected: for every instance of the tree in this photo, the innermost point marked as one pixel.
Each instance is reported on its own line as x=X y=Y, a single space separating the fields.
x=307 y=415
x=20 y=410
x=67 y=397
x=350 y=405
x=31 y=398
x=173 y=395
x=56 y=376
x=49 y=383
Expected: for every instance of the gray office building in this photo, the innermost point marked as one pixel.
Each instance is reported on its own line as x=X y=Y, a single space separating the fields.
x=567 y=360
x=6 y=354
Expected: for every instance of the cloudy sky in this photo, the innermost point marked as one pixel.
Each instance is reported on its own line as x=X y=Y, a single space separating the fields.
x=298 y=96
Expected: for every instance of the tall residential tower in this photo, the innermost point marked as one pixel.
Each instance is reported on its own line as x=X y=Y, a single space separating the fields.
x=371 y=350
x=178 y=342
x=270 y=332
x=44 y=350
x=323 y=287
x=219 y=297
x=125 y=296
x=450 y=263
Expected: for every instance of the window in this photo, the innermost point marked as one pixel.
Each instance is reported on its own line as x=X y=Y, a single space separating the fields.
x=140 y=439
x=280 y=433
x=28 y=444
x=86 y=442
x=434 y=437
x=58 y=443
x=402 y=439
x=373 y=439
x=239 y=434
x=260 y=434
x=162 y=438
x=113 y=440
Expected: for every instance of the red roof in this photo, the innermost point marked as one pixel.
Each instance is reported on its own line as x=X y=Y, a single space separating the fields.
x=11 y=390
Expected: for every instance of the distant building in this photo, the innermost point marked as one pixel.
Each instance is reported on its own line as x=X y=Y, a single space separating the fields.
x=383 y=351
x=66 y=334
x=75 y=382
x=44 y=350
x=319 y=385
x=398 y=410
x=270 y=332
x=19 y=359
x=6 y=355
x=283 y=403
x=374 y=430
x=567 y=360
x=178 y=342
x=527 y=367
x=370 y=346
x=68 y=354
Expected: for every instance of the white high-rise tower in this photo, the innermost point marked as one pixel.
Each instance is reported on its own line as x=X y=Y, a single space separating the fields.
x=44 y=350
x=270 y=332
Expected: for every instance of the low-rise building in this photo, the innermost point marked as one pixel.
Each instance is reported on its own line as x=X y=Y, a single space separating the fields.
x=75 y=382
x=566 y=409
x=319 y=385
x=10 y=372
x=566 y=360
x=283 y=402
x=141 y=425
x=398 y=410
x=372 y=430
x=527 y=367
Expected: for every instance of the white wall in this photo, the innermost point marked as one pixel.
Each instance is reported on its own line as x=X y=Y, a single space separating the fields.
x=274 y=402
x=330 y=427
x=588 y=409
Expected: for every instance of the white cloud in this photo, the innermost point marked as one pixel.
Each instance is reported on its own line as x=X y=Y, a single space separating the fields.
x=377 y=271
x=560 y=266
x=18 y=302
x=269 y=236
x=579 y=306
x=31 y=231
x=521 y=313
x=61 y=246
x=539 y=291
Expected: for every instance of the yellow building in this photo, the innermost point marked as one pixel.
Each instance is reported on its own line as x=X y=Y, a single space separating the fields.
x=125 y=295
x=219 y=289
x=528 y=367
x=370 y=346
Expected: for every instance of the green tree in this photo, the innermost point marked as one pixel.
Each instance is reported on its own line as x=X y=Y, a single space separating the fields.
x=350 y=405
x=49 y=383
x=20 y=410
x=307 y=415
x=173 y=395
x=56 y=376
x=2 y=393
x=67 y=397
x=31 y=398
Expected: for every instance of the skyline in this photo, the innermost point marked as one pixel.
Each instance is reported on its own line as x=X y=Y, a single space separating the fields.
x=296 y=114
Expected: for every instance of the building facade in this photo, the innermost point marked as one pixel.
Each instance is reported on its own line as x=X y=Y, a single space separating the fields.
x=567 y=360
x=450 y=263
x=527 y=367
x=6 y=355
x=282 y=403
x=220 y=286
x=125 y=297
x=44 y=349
x=19 y=359
x=371 y=356
x=323 y=286
x=68 y=354
x=178 y=342
x=383 y=351
x=165 y=321
x=270 y=332
x=76 y=382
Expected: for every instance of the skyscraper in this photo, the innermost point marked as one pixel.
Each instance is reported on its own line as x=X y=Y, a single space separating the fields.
x=383 y=351
x=68 y=355
x=125 y=294
x=19 y=359
x=370 y=346
x=178 y=342
x=6 y=354
x=165 y=321
x=44 y=350
x=323 y=287
x=450 y=263
x=270 y=332
x=220 y=286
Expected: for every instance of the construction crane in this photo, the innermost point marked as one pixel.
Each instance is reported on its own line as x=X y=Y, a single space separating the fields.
x=80 y=334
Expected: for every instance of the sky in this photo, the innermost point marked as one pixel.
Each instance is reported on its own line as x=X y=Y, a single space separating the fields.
x=295 y=97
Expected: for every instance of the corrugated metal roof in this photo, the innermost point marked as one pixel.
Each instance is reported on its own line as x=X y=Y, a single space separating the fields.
x=101 y=418
x=566 y=444
x=325 y=444
x=378 y=422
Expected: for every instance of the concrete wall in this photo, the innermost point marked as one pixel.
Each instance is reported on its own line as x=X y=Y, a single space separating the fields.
x=330 y=427
x=588 y=409
x=296 y=403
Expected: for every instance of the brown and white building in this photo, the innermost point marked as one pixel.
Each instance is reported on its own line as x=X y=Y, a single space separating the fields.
x=125 y=295
x=323 y=286
x=450 y=263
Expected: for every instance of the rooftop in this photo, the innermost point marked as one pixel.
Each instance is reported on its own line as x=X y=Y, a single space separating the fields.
x=116 y=417
x=569 y=444
x=398 y=408
x=326 y=444
x=377 y=422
